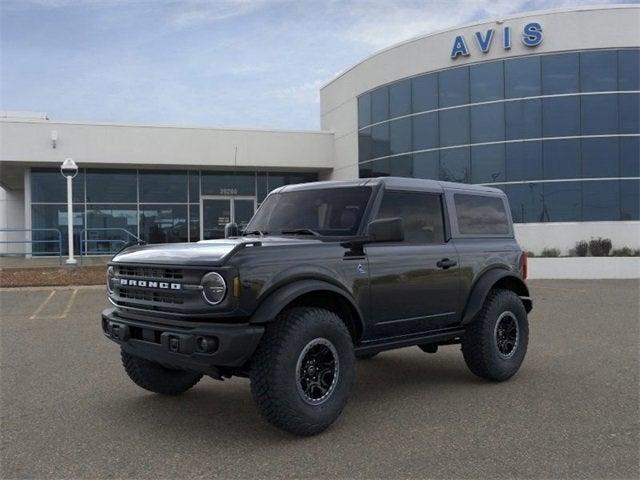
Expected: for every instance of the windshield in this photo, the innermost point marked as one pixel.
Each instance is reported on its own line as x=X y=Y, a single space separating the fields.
x=325 y=212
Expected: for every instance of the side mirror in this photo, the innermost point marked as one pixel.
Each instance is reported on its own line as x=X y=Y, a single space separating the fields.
x=386 y=230
x=231 y=230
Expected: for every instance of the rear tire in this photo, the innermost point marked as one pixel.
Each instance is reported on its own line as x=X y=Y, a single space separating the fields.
x=303 y=370
x=495 y=343
x=157 y=378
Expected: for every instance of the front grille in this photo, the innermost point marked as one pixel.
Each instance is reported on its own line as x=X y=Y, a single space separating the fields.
x=150 y=296
x=150 y=272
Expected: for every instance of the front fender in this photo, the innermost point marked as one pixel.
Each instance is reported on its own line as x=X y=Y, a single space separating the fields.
x=276 y=301
x=486 y=282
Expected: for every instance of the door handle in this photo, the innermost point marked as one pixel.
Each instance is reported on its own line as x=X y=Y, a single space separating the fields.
x=446 y=263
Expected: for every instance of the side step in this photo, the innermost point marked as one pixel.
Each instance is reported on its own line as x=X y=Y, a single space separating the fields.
x=442 y=337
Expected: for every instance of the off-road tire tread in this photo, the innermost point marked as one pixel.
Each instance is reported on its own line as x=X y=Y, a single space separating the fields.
x=264 y=381
x=477 y=343
x=156 y=378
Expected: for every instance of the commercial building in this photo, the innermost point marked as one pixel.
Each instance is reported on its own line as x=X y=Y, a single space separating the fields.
x=544 y=105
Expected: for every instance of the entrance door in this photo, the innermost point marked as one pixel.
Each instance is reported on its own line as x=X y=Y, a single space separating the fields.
x=217 y=211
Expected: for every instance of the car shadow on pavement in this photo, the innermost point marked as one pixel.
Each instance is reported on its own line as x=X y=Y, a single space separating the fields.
x=226 y=410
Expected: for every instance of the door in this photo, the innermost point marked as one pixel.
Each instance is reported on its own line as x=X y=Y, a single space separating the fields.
x=217 y=211
x=413 y=289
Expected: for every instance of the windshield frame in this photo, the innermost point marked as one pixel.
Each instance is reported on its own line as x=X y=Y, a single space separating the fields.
x=364 y=219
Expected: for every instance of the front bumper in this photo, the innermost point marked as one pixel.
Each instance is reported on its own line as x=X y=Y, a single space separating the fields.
x=199 y=347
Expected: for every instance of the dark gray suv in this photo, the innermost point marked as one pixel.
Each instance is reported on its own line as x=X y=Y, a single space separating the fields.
x=323 y=274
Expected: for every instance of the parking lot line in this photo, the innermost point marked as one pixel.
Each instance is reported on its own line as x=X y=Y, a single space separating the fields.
x=42 y=305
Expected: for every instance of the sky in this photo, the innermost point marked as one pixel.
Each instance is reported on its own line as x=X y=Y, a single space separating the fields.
x=217 y=63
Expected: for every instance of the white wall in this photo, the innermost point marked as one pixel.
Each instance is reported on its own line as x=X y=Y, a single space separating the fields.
x=11 y=216
x=587 y=268
x=535 y=237
x=110 y=144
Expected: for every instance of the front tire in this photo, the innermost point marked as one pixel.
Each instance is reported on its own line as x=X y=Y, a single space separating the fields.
x=303 y=370
x=495 y=343
x=156 y=378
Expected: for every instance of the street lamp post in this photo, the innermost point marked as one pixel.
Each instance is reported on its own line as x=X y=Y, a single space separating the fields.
x=69 y=169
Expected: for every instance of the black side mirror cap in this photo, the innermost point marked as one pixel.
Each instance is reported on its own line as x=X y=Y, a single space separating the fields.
x=386 y=230
x=231 y=230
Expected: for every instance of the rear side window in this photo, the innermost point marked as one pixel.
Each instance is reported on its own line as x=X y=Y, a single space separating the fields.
x=481 y=215
x=421 y=215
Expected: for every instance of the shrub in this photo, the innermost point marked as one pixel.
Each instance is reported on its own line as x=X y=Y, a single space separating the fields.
x=530 y=254
x=550 y=252
x=582 y=248
x=600 y=247
x=625 y=252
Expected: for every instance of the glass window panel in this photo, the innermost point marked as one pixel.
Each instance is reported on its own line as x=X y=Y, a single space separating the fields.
x=400 y=135
x=48 y=185
x=523 y=119
x=421 y=215
x=107 y=226
x=525 y=201
x=600 y=200
x=426 y=165
x=600 y=157
x=290 y=178
x=194 y=186
x=380 y=140
x=561 y=116
x=381 y=168
x=194 y=223
x=401 y=166
x=364 y=110
x=454 y=87
x=400 y=98
x=454 y=127
x=380 y=104
x=225 y=183
x=599 y=114
x=55 y=216
x=487 y=123
x=630 y=200
x=364 y=170
x=365 y=145
x=522 y=77
x=487 y=163
x=629 y=112
x=454 y=165
x=425 y=131
x=163 y=224
x=424 y=92
x=629 y=69
x=262 y=186
x=599 y=71
x=561 y=159
x=630 y=157
x=487 y=81
x=481 y=215
x=562 y=201
x=112 y=186
x=163 y=186
x=560 y=73
x=523 y=161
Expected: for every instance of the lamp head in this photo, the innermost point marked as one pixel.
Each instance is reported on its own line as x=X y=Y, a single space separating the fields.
x=69 y=168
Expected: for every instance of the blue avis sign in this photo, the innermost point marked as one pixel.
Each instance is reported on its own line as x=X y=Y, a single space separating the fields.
x=531 y=37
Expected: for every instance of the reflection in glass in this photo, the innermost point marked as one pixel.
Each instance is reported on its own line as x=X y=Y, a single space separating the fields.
x=487 y=81
x=424 y=93
x=454 y=87
x=561 y=159
x=523 y=119
x=561 y=116
x=48 y=185
x=112 y=186
x=454 y=127
x=630 y=157
x=365 y=145
x=630 y=200
x=107 y=226
x=400 y=135
x=194 y=186
x=163 y=186
x=487 y=163
x=364 y=110
x=487 y=123
x=599 y=114
x=523 y=161
x=400 y=98
x=526 y=202
x=55 y=216
x=560 y=73
x=380 y=104
x=600 y=201
x=380 y=140
x=562 y=201
x=629 y=112
x=599 y=71
x=426 y=165
x=522 y=77
x=425 y=131
x=194 y=223
x=454 y=165
x=163 y=224
x=600 y=157
x=629 y=69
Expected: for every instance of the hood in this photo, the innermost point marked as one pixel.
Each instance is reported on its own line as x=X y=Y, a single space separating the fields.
x=204 y=253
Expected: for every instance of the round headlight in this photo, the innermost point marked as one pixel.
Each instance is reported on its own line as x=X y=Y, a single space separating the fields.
x=110 y=274
x=214 y=288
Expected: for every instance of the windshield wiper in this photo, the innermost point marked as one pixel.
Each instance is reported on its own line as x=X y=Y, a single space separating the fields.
x=255 y=232
x=301 y=231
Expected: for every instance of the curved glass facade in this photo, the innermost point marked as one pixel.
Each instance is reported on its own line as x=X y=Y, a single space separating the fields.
x=559 y=132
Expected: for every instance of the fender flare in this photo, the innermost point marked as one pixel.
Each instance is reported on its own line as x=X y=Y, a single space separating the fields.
x=277 y=300
x=485 y=283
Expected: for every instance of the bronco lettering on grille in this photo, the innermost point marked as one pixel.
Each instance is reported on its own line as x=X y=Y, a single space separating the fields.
x=148 y=284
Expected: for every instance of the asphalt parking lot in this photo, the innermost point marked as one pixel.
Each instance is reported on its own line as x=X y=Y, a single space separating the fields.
x=69 y=411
